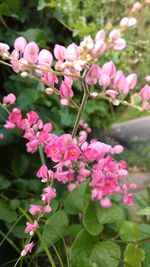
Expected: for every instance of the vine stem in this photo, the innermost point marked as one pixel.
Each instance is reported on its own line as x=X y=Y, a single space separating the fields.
x=83 y=104
x=41 y=155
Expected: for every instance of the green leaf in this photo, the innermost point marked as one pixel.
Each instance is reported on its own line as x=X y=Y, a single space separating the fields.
x=146 y=248
x=76 y=199
x=4 y=183
x=81 y=248
x=7 y=214
x=55 y=227
x=90 y=220
x=129 y=231
x=73 y=230
x=144 y=212
x=112 y=215
x=106 y=254
x=133 y=256
x=19 y=163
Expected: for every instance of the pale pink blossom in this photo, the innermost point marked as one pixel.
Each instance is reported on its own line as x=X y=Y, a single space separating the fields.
x=93 y=74
x=109 y=69
x=119 y=44
x=104 y=80
x=43 y=173
x=50 y=79
x=31 y=227
x=147 y=78
x=45 y=57
x=27 y=249
x=136 y=7
x=99 y=48
x=35 y=209
x=106 y=203
x=128 y=199
x=10 y=99
x=131 y=80
x=60 y=52
x=114 y=35
x=31 y=52
x=49 y=193
x=100 y=35
x=145 y=93
x=65 y=91
x=20 y=44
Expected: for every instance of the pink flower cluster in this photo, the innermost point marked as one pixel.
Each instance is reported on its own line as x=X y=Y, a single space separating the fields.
x=113 y=82
x=71 y=159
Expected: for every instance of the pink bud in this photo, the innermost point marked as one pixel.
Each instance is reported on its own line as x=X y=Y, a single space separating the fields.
x=20 y=44
x=118 y=149
x=132 y=22
x=104 y=80
x=131 y=80
x=42 y=172
x=109 y=68
x=133 y=186
x=114 y=34
x=9 y=99
x=60 y=52
x=27 y=249
x=65 y=90
x=124 y=23
x=145 y=93
x=50 y=78
x=119 y=44
x=31 y=52
x=34 y=209
x=136 y=6
x=100 y=35
x=4 y=47
x=106 y=203
x=45 y=56
x=147 y=78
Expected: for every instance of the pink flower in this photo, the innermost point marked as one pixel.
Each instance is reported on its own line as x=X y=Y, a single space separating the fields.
x=31 y=227
x=31 y=52
x=27 y=249
x=9 y=99
x=119 y=44
x=104 y=80
x=73 y=153
x=47 y=209
x=147 y=78
x=131 y=80
x=145 y=93
x=32 y=117
x=128 y=199
x=65 y=91
x=48 y=194
x=136 y=6
x=35 y=209
x=50 y=79
x=4 y=47
x=15 y=116
x=45 y=56
x=106 y=203
x=100 y=35
x=118 y=149
x=128 y=23
x=132 y=186
x=93 y=74
x=9 y=125
x=43 y=173
x=71 y=52
x=60 y=52
x=99 y=48
x=20 y=44
x=109 y=68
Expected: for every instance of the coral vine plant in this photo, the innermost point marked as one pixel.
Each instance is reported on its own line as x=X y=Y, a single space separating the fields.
x=74 y=158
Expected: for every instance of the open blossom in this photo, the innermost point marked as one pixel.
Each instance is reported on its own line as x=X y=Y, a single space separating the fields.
x=35 y=209
x=31 y=52
x=106 y=203
x=31 y=227
x=20 y=44
x=10 y=99
x=65 y=90
x=48 y=194
x=27 y=249
x=128 y=199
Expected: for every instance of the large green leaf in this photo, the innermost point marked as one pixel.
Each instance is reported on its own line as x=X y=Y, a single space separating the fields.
x=76 y=199
x=114 y=214
x=55 y=227
x=106 y=254
x=7 y=213
x=146 y=248
x=19 y=163
x=81 y=249
x=144 y=212
x=90 y=220
x=129 y=231
x=133 y=256
x=4 y=183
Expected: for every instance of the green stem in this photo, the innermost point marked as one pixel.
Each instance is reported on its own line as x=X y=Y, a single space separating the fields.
x=83 y=105
x=3 y=107
x=41 y=152
x=80 y=113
